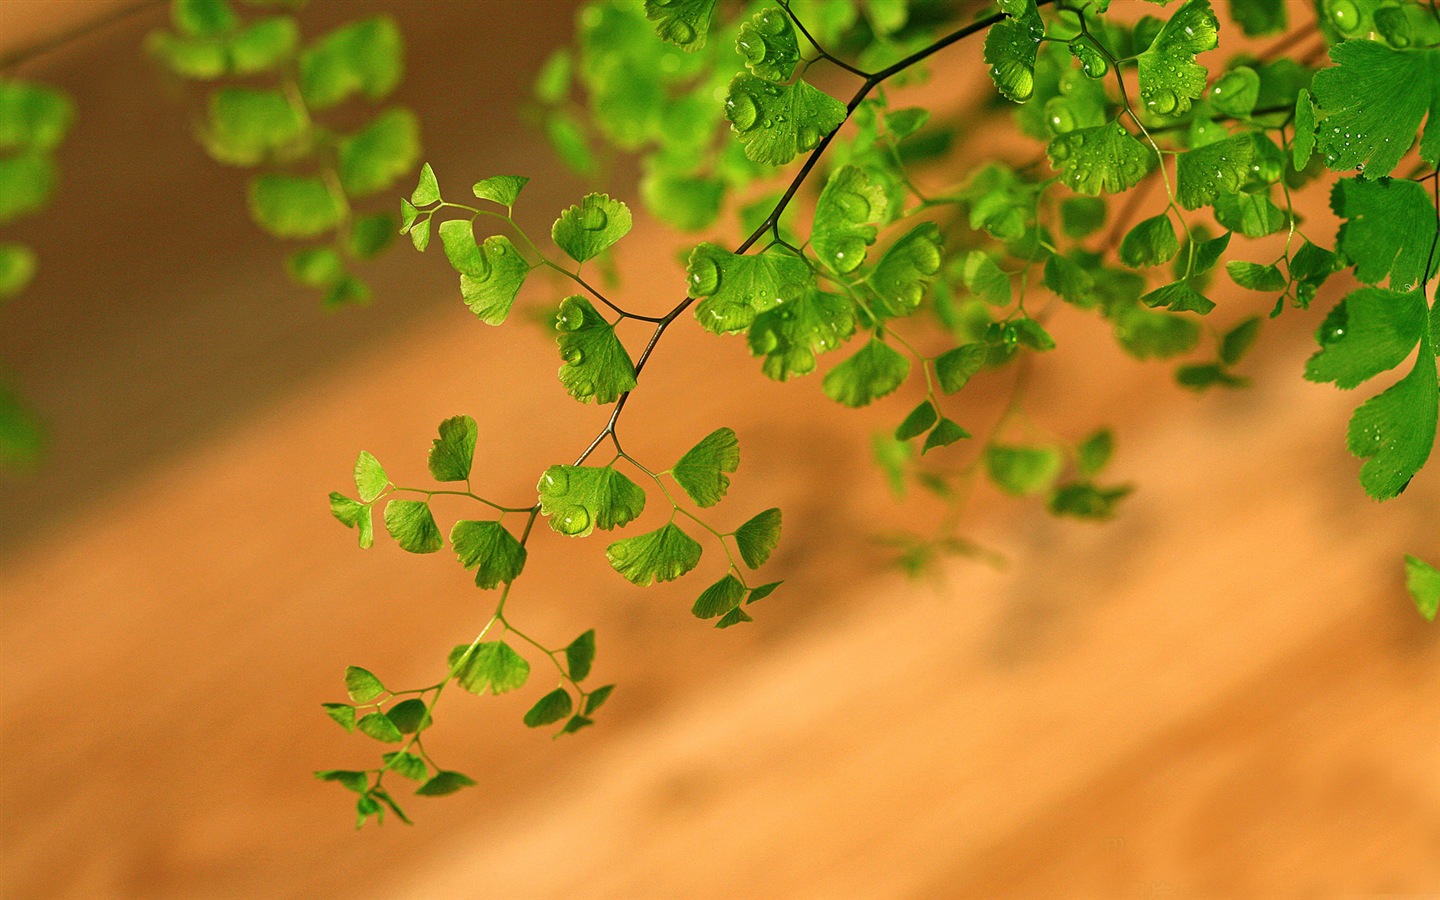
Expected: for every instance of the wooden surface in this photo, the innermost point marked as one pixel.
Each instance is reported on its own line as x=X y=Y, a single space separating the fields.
x=1224 y=693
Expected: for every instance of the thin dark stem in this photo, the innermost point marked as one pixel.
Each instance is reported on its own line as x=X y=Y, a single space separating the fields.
x=21 y=56
x=1434 y=242
x=824 y=54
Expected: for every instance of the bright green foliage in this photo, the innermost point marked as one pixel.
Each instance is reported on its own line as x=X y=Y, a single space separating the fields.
x=586 y=230
x=1094 y=452
x=759 y=537
x=1104 y=159
x=410 y=716
x=412 y=526
x=1169 y=76
x=491 y=666
x=769 y=46
x=1145 y=334
x=1259 y=17
x=661 y=555
x=549 y=709
x=490 y=549
x=906 y=268
x=918 y=421
x=875 y=371
x=1388 y=229
x=1255 y=276
x=378 y=726
x=775 y=122
x=701 y=471
x=597 y=367
x=685 y=23
x=354 y=515
x=1150 y=243
x=1087 y=501
x=453 y=452
x=956 y=367
x=247 y=126
x=407 y=765
x=491 y=273
x=1022 y=470
x=579 y=499
x=1423 y=582
x=1371 y=104
x=427 y=189
x=1394 y=431
x=845 y=215
x=33 y=116
x=719 y=598
x=580 y=655
x=792 y=334
x=1179 y=296
x=294 y=207
x=362 y=685
x=17 y=268
x=370 y=477
x=1235 y=93
x=1303 y=146
x=735 y=288
x=380 y=154
x=501 y=189
x=364 y=57
x=1011 y=47
x=1205 y=173
x=945 y=433
x=985 y=279
x=370 y=235
x=442 y=783
x=26 y=184
x=343 y=713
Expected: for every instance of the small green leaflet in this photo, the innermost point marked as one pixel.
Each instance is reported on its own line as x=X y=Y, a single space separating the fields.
x=453 y=452
x=1179 y=296
x=1169 y=76
x=493 y=277
x=1395 y=430
x=501 y=189
x=365 y=57
x=1303 y=144
x=1388 y=229
x=1259 y=17
x=412 y=526
x=596 y=366
x=734 y=288
x=370 y=477
x=661 y=555
x=1423 y=582
x=362 y=685
x=917 y=422
x=549 y=709
x=597 y=698
x=490 y=549
x=1253 y=215
x=407 y=765
x=410 y=715
x=769 y=46
x=685 y=23
x=790 y=336
x=427 y=189
x=985 y=279
x=1069 y=279
x=1255 y=276
x=17 y=268
x=354 y=781
x=1022 y=470
x=342 y=713
x=578 y=499
x=293 y=207
x=370 y=235
x=1371 y=103
x=442 y=783
x=586 y=230
x=1087 y=501
x=354 y=515
x=1235 y=93
x=1011 y=47
x=956 y=367
x=246 y=126
x=1094 y=452
x=26 y=183
x=1105 y=159
x=580 y=655
x=875 y=371
x=844 y=217
x=733 y=617
x=1238 y=340
x=776 y=122
x=719 y=598
x=380 y=154
x=492 y=666
x=1150 y=243
x=1205 y=173
x=906 y=268
x=33 y=116
x=701 y=471
x=1146 y=334
x=759 y=537
x=945 y=433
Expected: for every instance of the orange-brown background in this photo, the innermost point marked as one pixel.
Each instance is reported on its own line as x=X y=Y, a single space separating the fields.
x=1224 y=693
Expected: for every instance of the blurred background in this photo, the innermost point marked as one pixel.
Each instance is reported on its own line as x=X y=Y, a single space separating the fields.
x=1223 y=693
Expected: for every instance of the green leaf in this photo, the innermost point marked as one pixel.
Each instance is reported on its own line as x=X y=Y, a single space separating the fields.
x=689 y=203
x=370 y=477
x=1011 y=47
x=493 y=275
x=1368 y=332
x=763 y=591
x=945 y=433
x=412 y=526
x=291 y=207
x=790 y=336
x=733 y=617
x=1303 y=145
x=343 y=713
x=406 y=765
x=917 y=422
x=719 y=598
x=585 y=231
x=1371 y=103
x=263 y=45
x=579 y=499
x=759 y=537
x=366 y=807
x=1253 y=215
x=1422 y=580
x=956 y=367
x=906 y=268
x=1105 y=159
x=596 y=366
x=427 y=190
x=453 y=452
x=364 y=57
x=735 y=288
x=1238 y=340
x=685 y=23
x=1395 y=430
x=420 y=234
x=1082 y=216
x=501 y=189
x=246 y=126
x=1203 y=174
x=701 y=471
x=875 y=371
x=353 y=781
x=1150 y=243
x=198 y=58
x=1259 y=17
x=549 y=709
x=203 y=18
x=597 y=698
x=844 y=217
x=1030 y=333
x=984 y=279
x=1235 y=93
x=1087 y=501
x=1022 y=470
x=410 y=715
x=26 y=184
x=354 y=515
x=575 y=724
x=1207 y=375
x=492 y=666
x=1069 y=279
x=380 y=154
x=370 y=235
x=768 y=44
x=661 y=555
x=490 y=549
x=1154 y=335
x=17 y=268
x=1388 y=229
x=776 y=122
x=1255 y=276
x=580 y=655
x=442 y=783
x=1169 y=76
x=1179 y=296
x=33 y=116
x=378 y=726
x=1094 y=452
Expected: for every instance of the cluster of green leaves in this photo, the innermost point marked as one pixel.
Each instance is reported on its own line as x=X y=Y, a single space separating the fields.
x=34 y=119
x=264 y=116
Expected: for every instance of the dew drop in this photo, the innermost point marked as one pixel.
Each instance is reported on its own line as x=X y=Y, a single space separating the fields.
x=855 y=207
x=741 y=110
x=704 y=277
x=557 y=481
x=574 y=356
x=807 y=136
x=1345 y=15
x=575 y=521
x=593 y=218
